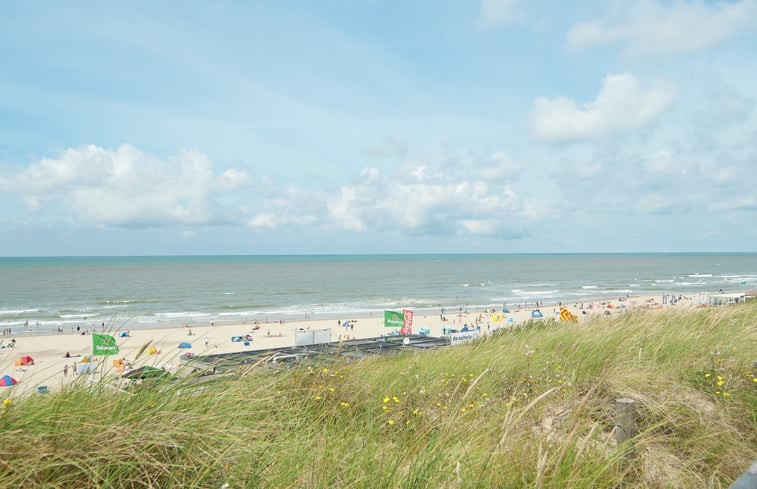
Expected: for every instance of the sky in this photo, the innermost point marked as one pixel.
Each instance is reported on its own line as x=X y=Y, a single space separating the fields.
x=372 y=126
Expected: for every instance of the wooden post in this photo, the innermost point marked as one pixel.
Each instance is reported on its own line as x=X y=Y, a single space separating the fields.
x=625 y=421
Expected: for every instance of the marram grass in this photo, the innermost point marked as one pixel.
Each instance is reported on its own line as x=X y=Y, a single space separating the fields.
x=531 y=407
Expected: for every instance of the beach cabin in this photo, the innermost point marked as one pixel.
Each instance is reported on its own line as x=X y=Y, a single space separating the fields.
x=726 y=299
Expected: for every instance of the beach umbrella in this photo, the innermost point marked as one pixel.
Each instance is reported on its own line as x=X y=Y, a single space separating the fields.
x=7 y=381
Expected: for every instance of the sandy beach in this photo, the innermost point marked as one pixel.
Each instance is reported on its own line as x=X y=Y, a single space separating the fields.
x=50 y=351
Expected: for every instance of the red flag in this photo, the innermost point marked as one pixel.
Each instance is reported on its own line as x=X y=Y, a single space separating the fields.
x=407 y=328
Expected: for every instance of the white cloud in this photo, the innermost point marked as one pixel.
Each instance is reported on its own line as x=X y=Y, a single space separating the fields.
x=345 y=210
x=125 y=187
x=650 y=28
x=499 y=12
x=263 y=220
x=499 y=167
x=445 y=207
x=232 y=179
x=420 y=172
x=621 y=105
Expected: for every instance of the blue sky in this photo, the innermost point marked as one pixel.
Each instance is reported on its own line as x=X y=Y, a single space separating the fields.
x=132 y=128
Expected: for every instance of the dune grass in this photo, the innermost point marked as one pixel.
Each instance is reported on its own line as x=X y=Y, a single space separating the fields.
x=530 y=407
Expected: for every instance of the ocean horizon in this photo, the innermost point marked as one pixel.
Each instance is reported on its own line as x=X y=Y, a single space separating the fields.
x=43 y=294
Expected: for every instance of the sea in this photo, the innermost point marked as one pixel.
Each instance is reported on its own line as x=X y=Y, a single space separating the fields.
x=45 y=294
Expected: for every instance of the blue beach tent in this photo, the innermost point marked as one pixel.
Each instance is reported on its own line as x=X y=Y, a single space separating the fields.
x=185 y=344
x=7 y=381
x=536 y=314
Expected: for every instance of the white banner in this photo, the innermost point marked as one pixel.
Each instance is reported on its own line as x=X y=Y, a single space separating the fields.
x=464 y=337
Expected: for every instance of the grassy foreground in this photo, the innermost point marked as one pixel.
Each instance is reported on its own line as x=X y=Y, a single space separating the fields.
x=533 y=407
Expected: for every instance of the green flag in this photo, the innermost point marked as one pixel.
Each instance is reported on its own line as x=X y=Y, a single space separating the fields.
x=103 y=344
x=394 y=319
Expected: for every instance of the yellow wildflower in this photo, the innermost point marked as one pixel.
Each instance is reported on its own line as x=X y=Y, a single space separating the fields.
x=707 y=375
x=331 y=389
x=386 y=399
x=395 y=399
x=390 y=422
x=318 y=398
x=725 y=394
x=344 y=404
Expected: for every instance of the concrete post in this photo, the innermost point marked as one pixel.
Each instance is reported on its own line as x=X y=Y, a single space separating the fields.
x=625 y=420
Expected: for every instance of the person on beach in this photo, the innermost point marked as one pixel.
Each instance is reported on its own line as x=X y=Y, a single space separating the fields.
x=65 y=370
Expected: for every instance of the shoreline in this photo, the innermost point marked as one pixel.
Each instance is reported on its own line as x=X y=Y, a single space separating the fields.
x=49 y=349
x=118 y=324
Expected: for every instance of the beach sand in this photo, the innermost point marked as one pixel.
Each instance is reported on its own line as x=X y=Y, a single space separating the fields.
x=49 y=351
